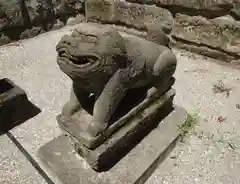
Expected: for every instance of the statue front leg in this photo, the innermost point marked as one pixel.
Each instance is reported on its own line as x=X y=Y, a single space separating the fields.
x=163 y=71
x=74 y=104
x=107 y=102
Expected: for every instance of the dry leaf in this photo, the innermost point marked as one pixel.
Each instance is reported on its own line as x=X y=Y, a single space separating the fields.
x=221 y=119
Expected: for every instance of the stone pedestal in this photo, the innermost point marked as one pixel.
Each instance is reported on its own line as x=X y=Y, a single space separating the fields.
x=105 y=150
x=132 y=128
x=135 y=167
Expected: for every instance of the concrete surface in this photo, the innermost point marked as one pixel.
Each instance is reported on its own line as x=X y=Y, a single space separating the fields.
x=210 y=155
x=14 y=167
x=60 y=156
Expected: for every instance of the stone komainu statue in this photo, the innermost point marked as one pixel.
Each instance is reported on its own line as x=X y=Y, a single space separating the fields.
x=105 y=63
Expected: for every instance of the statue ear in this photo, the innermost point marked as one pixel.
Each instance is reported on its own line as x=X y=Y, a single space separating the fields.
x=158 y=37
x=159 y=33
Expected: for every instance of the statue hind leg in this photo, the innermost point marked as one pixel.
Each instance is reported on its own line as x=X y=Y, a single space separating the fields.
x=163 y=71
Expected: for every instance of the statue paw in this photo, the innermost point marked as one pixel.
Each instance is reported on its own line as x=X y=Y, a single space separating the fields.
x=151 y=92
x=95 y=128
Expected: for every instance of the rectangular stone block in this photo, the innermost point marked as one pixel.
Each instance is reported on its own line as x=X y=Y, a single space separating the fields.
x=217 y=38
x=136 y=127
x=136 y=167
x=219 y=7
x=13 y=105
x=130 y=14
x=10 y=95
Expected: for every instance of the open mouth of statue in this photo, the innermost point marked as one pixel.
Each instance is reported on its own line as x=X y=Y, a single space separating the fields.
x=83 y=60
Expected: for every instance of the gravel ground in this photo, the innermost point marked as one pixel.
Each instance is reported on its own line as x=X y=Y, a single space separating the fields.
x=14 y=167
x=210 y=154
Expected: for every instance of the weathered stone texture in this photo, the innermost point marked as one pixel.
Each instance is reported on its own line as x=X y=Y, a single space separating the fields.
x=20 y=13
x=66 y=8
x=10 y=14
x=208 y=8
x=130 y=14
x=218 y=34
x=40 y=12
x=214 y=36
x=17 y=16
x=30 y=33
x=236 y=13
x=4 y=39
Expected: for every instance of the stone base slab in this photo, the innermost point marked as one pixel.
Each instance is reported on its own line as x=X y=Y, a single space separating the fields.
x=136 y=167
x=129 y=135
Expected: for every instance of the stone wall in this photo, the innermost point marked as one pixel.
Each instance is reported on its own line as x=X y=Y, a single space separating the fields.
x=27 y=18
x=208 y=27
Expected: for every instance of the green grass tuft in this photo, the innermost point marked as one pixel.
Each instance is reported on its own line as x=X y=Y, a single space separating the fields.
x=188 y=125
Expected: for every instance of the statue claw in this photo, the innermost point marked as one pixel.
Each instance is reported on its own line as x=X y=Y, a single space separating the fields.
x=95 y=128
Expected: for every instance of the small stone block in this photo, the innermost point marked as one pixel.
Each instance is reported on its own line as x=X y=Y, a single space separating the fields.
x=15 y=108
x=9 y=92
x=11 y=100
x=136 y=167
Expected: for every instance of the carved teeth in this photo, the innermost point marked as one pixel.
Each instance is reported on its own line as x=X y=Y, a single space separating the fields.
x=79 y=60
